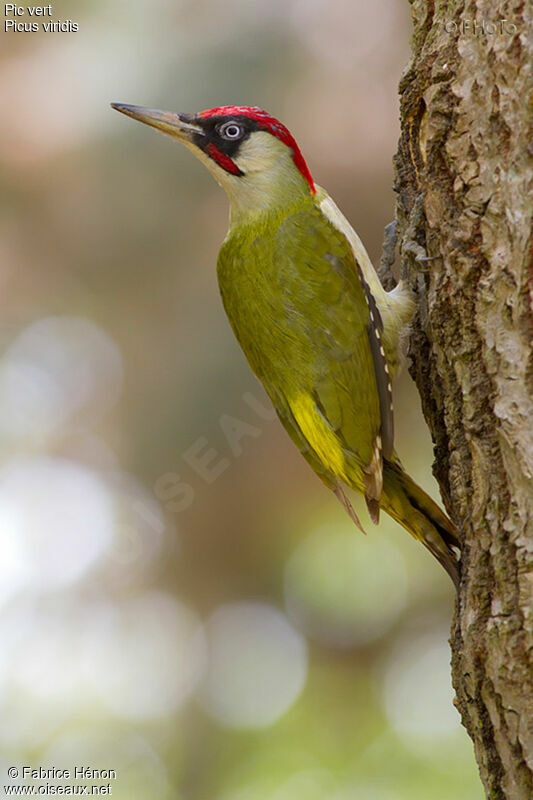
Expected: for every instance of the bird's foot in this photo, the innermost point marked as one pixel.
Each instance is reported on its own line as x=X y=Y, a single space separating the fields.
x=411 y=247
x=388 y=256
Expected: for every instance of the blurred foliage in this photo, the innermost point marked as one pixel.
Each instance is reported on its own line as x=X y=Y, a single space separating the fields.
x=225 y=639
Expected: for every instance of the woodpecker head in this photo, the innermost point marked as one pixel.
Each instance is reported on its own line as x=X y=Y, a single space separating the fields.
x=251 y=154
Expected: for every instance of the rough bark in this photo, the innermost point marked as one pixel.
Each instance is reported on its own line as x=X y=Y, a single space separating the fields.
x=464 y=182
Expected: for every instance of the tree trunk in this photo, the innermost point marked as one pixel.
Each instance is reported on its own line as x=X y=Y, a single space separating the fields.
x=464 y=180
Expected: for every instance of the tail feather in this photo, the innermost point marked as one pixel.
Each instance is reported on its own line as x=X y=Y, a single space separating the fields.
x=409 y=505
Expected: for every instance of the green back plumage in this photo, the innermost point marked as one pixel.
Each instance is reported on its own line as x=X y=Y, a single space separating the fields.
x=292 y=293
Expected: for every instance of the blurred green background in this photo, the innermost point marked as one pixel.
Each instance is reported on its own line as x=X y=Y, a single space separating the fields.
x=215 y=632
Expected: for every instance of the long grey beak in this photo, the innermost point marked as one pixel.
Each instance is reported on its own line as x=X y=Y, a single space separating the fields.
x=175 y=125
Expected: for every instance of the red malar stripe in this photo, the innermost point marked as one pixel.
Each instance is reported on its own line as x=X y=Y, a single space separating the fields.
x=222 y=159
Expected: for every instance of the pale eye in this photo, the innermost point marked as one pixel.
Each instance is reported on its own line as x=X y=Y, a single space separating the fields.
x=231 y=131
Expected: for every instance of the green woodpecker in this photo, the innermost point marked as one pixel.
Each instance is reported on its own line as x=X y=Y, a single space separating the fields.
x=310 y=313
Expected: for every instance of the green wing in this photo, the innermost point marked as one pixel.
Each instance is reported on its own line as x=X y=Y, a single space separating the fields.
x=324 y=291
x=298 y=307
